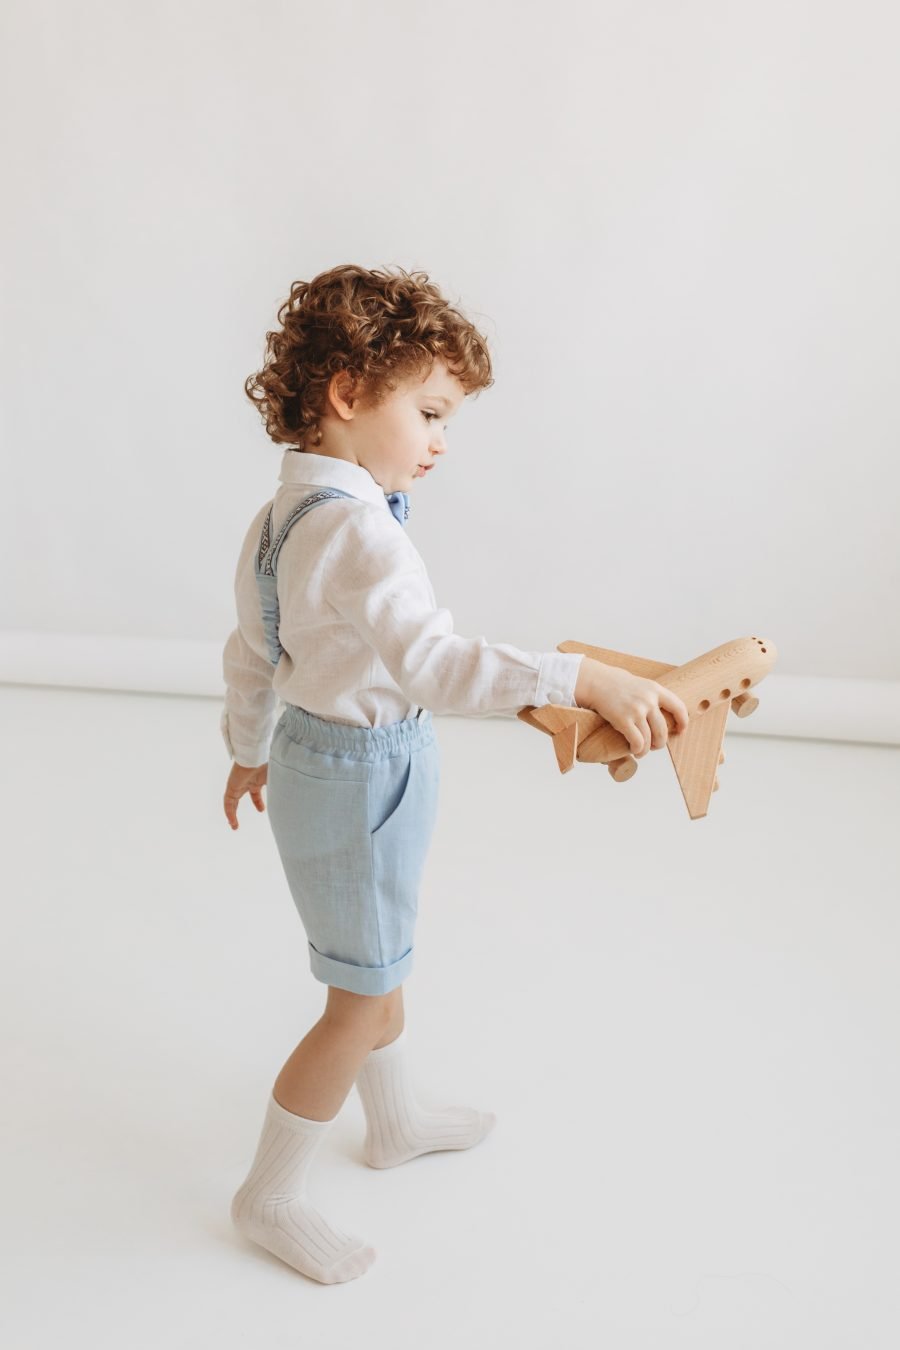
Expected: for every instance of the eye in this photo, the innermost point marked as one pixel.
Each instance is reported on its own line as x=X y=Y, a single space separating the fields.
x=429 y=414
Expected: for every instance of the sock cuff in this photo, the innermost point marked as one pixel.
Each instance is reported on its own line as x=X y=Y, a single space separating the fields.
x=302 y=1124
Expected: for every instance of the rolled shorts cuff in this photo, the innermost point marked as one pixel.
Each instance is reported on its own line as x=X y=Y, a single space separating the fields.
x=359 y=979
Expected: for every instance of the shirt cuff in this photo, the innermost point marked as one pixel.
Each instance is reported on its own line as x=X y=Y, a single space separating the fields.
x=557 y=677
x=248 y=756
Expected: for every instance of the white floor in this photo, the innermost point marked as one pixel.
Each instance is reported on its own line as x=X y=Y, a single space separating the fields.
x=689 y=1032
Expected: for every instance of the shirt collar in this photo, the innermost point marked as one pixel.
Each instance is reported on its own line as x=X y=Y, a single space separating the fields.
x=304 y=467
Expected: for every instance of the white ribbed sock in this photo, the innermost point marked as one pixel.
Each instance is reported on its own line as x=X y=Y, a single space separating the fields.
x=272 y=1209
x=398 y=1128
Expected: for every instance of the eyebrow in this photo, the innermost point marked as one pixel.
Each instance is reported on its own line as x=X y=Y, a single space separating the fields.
x=438 y=398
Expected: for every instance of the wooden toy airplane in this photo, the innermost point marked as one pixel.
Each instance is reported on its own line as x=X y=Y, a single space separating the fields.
x=708 y=687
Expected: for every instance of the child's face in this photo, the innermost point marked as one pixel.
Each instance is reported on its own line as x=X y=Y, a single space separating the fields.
x=407 y=430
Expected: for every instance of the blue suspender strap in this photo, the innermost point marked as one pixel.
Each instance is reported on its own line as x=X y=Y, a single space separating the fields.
x=266 y=566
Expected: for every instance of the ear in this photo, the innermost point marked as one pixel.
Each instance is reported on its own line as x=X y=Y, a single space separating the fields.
x=341 y=393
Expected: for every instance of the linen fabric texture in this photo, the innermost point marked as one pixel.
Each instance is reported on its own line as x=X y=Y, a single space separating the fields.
x=352 y=810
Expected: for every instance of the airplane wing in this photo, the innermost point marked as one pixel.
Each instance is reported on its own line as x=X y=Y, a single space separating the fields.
x=695 y=755
x=638 y=665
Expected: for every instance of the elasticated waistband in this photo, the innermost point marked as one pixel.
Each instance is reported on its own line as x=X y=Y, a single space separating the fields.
x=352 y=742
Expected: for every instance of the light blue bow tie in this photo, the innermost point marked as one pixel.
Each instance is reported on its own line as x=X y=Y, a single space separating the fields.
x=399 y=504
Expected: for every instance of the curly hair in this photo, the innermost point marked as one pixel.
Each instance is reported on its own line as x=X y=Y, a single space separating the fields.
x=379 y=327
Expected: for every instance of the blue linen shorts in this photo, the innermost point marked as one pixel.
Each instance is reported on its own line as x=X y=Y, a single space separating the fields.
x=352 y=810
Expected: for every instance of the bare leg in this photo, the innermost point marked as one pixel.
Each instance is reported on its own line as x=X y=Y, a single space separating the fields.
x=396 y=1023
x=319 y=1073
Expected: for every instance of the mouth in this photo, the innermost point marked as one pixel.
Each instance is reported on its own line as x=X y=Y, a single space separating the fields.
x=423 y=469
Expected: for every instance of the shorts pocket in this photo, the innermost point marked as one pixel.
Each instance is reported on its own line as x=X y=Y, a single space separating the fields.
x=399 y=845
x=393 y=794
x=405 y=804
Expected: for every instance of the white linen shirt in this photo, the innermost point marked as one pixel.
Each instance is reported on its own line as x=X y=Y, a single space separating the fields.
x=364 y=642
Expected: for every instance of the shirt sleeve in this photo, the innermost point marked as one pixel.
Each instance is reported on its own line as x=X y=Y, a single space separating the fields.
x=375 y=579
x=251 y=704
x=249 y=713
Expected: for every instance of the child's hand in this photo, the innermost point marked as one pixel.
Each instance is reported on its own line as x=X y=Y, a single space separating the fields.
x=242 y=780
x=633 y=705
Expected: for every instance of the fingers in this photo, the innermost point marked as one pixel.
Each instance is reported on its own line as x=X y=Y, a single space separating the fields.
x=675 y=706
x=230 y=803
x=656 y=713
x=659 y=728
x=651 y=732
x=243 y=780
x=637 y=734
x=646 y=733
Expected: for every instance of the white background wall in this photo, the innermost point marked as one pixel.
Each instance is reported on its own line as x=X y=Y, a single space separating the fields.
x=675 y=222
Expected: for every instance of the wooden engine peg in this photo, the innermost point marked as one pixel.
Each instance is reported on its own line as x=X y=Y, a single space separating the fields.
x=744 y=704
x=715 y=786
x=623 y=769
